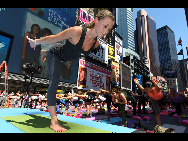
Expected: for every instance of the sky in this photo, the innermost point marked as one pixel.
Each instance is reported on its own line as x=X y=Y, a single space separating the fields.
x=173 y=18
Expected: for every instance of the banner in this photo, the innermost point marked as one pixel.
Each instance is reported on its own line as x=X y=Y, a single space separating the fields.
x=92 y=76
x=115 y=74
x=101 y=52
x=111 y=52
x=170 y=74
x=140 y=79
x=5 y=46
x=62 y=17
x=43 y=28
x=118 y=48
x=84 y=16
x=126 y=77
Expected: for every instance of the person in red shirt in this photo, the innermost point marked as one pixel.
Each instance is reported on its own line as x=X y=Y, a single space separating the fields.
x=153 y=90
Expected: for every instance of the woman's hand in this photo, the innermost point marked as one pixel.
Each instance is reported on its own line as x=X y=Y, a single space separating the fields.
x=32 y=42
x=136 y=81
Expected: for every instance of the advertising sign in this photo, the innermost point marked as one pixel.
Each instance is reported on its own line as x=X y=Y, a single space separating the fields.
x=111 y=52
x=118 y=48
x=170 y=74
x=62 y=17
x=6 y=41
x=115 y=74
x=92 y=76
x=126 y=77
x=51 y=22
x=84 y=16
x=101 y=52
x=140 y=79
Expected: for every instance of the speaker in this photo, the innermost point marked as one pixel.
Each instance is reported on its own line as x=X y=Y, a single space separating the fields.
x=32 y=67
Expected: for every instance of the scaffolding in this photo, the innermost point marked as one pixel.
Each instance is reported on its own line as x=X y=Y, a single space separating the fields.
x=4 y=64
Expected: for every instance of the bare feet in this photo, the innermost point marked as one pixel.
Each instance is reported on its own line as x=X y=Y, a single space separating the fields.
x=57 y=127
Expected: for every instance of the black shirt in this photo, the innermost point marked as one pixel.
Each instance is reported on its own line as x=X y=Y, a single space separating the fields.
x=69 y=51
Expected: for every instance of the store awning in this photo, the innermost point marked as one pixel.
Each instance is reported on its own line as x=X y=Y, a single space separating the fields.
x=37 y=80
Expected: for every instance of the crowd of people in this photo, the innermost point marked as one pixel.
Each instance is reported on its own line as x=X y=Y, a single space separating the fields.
x=150 y=96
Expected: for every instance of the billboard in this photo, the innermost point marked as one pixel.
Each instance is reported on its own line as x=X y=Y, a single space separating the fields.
x=92 y=76
x=6 y=41
x=111 y=52
x=37 y=23
x=101 y=52
x=115 y=74
x=126 y=77
x=140 y=79
x=118 y=48
x=84 y=16
x=170 y=74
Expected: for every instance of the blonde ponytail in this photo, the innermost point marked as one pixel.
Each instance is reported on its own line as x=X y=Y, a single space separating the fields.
x=91 y=24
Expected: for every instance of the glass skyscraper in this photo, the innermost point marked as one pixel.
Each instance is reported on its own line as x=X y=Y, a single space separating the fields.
x=164 y=50
x=126 y=27
x=168 y=52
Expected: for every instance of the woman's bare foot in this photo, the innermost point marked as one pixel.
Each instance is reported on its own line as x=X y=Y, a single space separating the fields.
x=57 y=127
x=54 y=121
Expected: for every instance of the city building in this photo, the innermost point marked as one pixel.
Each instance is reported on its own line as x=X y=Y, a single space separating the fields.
x=186 y=14
x=128 y=58
x=146 y=44
x=172 y=83
x=183 y=71
x=153 y=44
x=125 y=27
x=168 y=53
x=142 y=37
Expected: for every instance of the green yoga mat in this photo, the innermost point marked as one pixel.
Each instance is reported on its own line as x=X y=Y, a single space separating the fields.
x=40 y=124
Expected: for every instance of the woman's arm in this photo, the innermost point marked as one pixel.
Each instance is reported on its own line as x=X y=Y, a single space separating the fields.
x=183 y=96
x=66 y=34
x=137 y=82
x=80 y=96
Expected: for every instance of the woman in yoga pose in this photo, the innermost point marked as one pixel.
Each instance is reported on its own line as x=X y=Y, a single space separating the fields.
x=79 y=40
